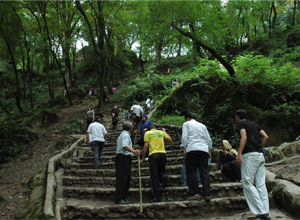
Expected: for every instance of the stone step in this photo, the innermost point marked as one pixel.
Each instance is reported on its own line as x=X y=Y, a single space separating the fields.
x=173 y=166
x=81 y=164
x=95 y=209
x=109 y=156
x=170 y=170
x=172 y=180
x=218 y=190
x=113 y=147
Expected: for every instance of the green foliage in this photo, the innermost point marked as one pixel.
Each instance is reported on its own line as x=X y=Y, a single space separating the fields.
x=210 y=69
x=14 y=138
x=170 y=119
x=74 y=124
x=285 y=54
x=291 y=110
x=24 y=157
x=253 y=69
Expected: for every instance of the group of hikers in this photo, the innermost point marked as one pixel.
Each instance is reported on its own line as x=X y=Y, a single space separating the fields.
x=245 y=165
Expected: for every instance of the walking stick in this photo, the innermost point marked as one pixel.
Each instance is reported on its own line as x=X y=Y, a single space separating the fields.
x=140 y=179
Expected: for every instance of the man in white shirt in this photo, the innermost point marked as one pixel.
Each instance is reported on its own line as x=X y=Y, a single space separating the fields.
x=96 y=134
x=149 y=104
x=197 y=146
x=138 y=111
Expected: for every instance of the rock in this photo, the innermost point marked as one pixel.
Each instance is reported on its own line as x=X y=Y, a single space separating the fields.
x=113 y=215
x=187 y=213
x=175 y=214
x=288 y=149
x=132 y=215
x=291 y=173
x=171 y=206
x=140 y=215
x=182 y=206
x=124 y=209
x=159 y=206
x=193 y=204
x=287 y=195
x=150 y=214
x=86 y=215
x=159 y=215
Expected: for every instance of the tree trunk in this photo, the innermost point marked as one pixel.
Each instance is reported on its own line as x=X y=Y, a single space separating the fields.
x=54 y=55
x=47 y=72
x=275 y=15
x=101 y=25
x=225 y=63
x=295 y=6
x=74 y=60
x=179 y=46
x=262 y=20
x=67 y=45
x=140 y=58
x=4 y=107
x=18 y=93
x=158 y=50
x=23 y=72
x=196 y=47
x=270 y=25
x=100 y=43
x=30 y=81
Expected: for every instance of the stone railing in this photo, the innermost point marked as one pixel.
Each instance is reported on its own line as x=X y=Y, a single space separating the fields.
x=53 y=165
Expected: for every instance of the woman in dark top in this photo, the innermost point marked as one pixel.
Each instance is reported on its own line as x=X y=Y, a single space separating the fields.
x=115 y=116
x=100 y=114
x=227 y=157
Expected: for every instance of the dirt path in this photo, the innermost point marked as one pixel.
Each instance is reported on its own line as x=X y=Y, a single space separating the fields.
x=15 y=175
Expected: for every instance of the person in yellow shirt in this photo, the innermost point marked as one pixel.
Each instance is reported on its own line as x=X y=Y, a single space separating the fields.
x=154 y=141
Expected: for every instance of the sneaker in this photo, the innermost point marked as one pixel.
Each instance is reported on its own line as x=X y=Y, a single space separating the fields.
x=120 y=202
x=126 y=200
x=264 y=216
x=195 y=198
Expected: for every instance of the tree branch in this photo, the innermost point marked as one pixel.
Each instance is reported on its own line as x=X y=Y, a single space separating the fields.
x=225 y=63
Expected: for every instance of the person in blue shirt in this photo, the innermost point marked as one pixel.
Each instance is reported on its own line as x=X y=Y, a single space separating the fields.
x=145 y=124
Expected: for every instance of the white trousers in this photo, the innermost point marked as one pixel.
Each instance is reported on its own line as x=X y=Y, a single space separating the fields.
x=253 y=171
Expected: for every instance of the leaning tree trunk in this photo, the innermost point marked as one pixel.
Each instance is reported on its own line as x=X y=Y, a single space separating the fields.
x=55 y=57
x=225 y=63
x=18 y=93
x=5 y=109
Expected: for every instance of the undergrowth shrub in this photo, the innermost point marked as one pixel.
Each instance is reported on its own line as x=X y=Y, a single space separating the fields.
x=169 y=119
x=14 y=138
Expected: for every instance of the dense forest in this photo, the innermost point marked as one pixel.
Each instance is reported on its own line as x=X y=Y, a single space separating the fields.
x=50 y=50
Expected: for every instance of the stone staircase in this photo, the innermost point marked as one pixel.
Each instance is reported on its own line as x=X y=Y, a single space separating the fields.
x=89 y=194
